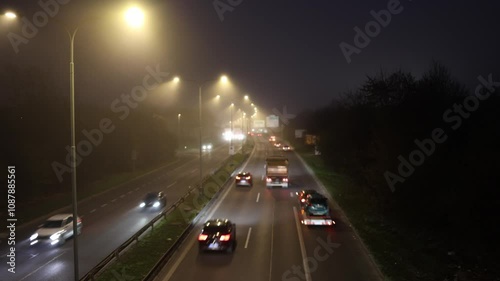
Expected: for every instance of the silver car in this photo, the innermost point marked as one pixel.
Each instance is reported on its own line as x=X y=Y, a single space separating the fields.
x=56 y=230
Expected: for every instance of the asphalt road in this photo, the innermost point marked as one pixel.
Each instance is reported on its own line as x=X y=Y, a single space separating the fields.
x=109 y=219
x=272 y=244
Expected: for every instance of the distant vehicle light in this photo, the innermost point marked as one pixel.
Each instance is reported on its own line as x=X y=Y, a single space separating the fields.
x=156 y=204
x=268 y=179
x=202 y=237
x=142 y=205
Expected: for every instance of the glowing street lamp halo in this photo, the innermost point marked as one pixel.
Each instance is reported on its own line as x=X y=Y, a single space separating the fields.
x=10 y=15
x=134 y=17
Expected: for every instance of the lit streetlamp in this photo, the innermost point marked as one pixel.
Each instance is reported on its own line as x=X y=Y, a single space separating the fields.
x=178 y=129
x=223 y=79
x=133 y=17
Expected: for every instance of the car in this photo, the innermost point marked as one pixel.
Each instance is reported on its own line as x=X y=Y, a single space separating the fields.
x=217 y=235
x=56 y=230
x=302 y=195
x=277 y=144
x=286 y=148
x=316 y=204
x=154 y=200
x=243 y=179
x=206 y=147
x=272 y=138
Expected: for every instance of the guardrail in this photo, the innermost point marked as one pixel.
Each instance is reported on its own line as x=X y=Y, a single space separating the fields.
x=135 y=238
x=93 y=273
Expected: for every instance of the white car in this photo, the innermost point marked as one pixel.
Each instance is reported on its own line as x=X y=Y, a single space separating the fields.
x=56 y=230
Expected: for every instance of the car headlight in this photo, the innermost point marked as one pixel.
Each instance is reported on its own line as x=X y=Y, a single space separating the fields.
x=142 y=204
x=156 y=204
x=204 y=147
x=209 y=146
x=56 y=235
x=34 y=236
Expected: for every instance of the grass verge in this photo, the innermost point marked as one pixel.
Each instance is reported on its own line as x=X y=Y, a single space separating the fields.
x=402 y=252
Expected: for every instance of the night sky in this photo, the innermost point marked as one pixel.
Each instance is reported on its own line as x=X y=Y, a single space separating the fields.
x=281 y=53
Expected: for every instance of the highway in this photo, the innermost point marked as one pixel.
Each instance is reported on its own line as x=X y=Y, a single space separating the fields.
x=271 y=242
x=109 y=219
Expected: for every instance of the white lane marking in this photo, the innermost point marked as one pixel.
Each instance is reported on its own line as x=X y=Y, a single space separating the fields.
x=272 y=239
x=136 y=189
x=194 y=171
x=262 y=178
x=123 y=195
x=307 y=271
x=258 y=196
x=190 y=245
x=129 y=192
x=248 y=237
x=291 y=194
x=34 y=271
x=171 y=184
x=92 y=211
x=113 y=200
x=104 y=205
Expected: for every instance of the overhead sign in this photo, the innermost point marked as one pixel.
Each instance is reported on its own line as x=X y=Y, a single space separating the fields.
x=259 y=124
x=272 y=121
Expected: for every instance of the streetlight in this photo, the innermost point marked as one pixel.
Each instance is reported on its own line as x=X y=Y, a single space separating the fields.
x=132 y=17
x=10 y=15
x=178 y=129
x=223 y=79
x=231 y=148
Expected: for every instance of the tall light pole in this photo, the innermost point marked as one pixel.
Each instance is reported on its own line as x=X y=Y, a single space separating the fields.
x=231 y=148
x=134 y=17
x=179 y=130
x=223 y=79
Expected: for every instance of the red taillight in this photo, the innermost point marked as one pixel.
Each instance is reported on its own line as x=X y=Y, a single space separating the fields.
x=202 y=237
x=302 y=200
x=248 y=177
x=225 y=237
x=268 y=179
x=285 y=179
x=238 y=177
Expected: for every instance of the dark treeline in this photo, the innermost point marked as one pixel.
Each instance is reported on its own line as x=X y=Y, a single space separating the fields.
x=451 y=188
x=35 y=124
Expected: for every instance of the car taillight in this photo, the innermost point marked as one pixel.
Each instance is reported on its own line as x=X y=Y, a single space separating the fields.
x=268 y=179
x=248 y=177
x=225 y=237
x=238 y=177
x=202 y=237
x=302 y=200
x=285 y=179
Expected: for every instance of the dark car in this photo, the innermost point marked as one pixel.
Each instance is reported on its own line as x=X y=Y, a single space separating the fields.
x=154 y=200
x=217 y=235
x=243 y=179
x=316 y=204
x=302 y=195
